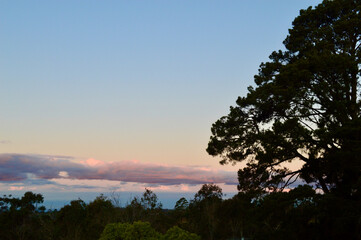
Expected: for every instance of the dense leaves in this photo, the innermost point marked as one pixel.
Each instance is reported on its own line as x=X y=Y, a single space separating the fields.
x=176 y=233
x=143 y=231
x=126 y=231
x=300 y=213
x=19 y=216
x=203 y=209
x=305 y=107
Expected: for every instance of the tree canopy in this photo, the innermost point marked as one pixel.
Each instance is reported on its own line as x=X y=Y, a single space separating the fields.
x=300 y=213
x=305 y=106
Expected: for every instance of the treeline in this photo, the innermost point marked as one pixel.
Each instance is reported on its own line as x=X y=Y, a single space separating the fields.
x=300 y=213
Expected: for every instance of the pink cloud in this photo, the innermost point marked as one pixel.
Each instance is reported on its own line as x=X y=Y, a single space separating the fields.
x=14 y=188
x=16 y=167
x=93 y=162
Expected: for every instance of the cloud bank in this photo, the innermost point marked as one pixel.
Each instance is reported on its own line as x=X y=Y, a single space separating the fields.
x=22 y=167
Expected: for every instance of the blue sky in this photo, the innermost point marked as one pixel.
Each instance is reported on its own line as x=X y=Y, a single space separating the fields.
x=121 y=82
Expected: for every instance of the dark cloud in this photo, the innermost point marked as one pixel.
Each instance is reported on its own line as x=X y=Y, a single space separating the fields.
x=17 y=167
x=5 y=142
x=37 y=182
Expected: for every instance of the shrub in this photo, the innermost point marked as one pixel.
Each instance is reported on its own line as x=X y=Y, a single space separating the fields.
x=126 y=231
x=176 y=233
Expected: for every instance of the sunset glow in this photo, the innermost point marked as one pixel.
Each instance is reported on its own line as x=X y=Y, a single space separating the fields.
x=121 y=95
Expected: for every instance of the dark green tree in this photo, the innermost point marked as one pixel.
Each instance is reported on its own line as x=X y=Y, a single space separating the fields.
x=126 y=231
x=20 y=218
x=149 y=200
x=176 y=233
x=181 y=205
x=287 y=215
x=305 y=107
x=29 y=202
x=208 y=192
x=180 y=212
x=134 y=211
x=203 y=211
x=100 y=212
x=71 y=222
x=237 y=217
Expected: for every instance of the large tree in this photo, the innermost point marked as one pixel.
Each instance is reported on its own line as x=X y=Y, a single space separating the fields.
x=305 y=107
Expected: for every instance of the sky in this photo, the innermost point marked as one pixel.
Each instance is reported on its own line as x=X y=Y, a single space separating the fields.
x=116 y=96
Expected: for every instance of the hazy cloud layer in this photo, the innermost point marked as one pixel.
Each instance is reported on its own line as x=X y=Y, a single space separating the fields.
x=21 y=167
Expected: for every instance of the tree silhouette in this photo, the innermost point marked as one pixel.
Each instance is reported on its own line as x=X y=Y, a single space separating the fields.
x=305 y=107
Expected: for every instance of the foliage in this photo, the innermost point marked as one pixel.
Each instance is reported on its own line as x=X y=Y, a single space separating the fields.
x=181 y=205
x=146 y=206
x=176 y=233
x=299 y=213
x=28 y=202
x=305 y=107
x=70 y=221
x=19 y=216
x=180 y=213
x=99 y=213
x=126 y=231
x=203 y=210
x=134 y=211
x=208 y=192
x=143 y=231
x=114 y=231
x=149 y=200
x=238 y=216
x=84 y=221
x=278 y=212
